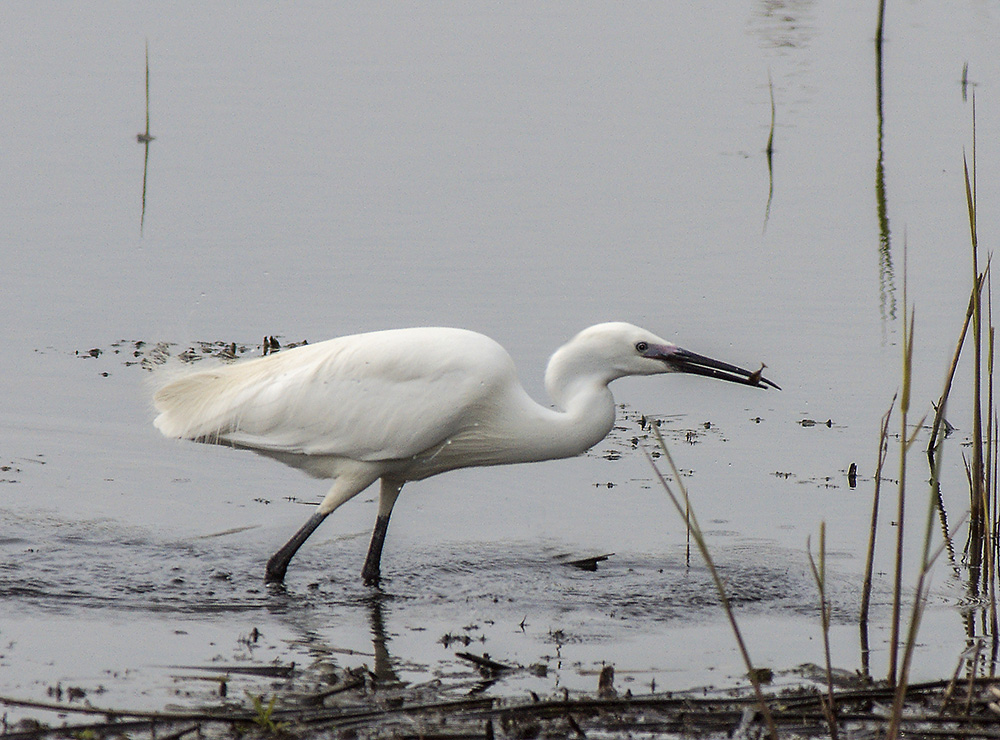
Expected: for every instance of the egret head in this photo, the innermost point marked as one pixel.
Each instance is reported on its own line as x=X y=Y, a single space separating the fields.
x=617 y=349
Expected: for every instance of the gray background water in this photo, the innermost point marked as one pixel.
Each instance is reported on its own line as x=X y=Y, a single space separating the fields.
x=520 y=170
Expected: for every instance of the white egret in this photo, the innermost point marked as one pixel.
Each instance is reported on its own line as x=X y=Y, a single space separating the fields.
x=406 y=404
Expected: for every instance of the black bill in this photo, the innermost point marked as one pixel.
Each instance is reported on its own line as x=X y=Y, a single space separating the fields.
x=688 y=362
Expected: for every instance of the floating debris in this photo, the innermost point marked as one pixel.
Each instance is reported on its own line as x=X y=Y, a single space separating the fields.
x=812 y=423
x=150 y=355
x=270 y=345
x=588 y=563
x=266 y=671
x=485 y=663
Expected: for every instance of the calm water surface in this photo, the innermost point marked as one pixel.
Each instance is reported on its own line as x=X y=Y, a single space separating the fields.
x=526 y=172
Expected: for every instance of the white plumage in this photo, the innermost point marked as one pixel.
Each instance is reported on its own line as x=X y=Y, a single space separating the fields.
x=406 y=404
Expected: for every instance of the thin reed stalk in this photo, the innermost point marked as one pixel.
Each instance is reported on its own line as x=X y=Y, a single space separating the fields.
x=866 y=588
x=919 y=601
x=981 y=545
x=990 y=482
x=819 y=574
x=992 y=534
x=883 y=449
x=978 y=523
x=904 y=443
x=687 y=512
x=990 y=463
x=943 y=400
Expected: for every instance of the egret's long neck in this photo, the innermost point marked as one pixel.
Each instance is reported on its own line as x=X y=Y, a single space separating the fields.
x=516 y=429
x=585 y=416
x=584 y=413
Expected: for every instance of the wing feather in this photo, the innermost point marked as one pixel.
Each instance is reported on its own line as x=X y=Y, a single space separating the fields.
x=381 y=396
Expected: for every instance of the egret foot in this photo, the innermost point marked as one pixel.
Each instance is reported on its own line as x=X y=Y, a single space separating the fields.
x=275 y=570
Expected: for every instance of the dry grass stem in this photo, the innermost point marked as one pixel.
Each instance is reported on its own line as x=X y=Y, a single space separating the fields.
x=687 y=512
x=819 y=574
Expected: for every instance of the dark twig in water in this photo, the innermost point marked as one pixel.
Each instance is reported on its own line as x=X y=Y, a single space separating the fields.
x=590 y=563
x=484 y=662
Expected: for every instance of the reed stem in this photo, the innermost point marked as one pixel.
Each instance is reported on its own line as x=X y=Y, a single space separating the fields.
x=819 y=575
x=685 y=511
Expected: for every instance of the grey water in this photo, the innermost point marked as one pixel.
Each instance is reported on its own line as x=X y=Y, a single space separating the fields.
x=524 y=171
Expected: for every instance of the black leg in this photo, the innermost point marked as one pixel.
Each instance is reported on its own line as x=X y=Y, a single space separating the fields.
x=387 y=495
x=278 y=563
x=371 y=572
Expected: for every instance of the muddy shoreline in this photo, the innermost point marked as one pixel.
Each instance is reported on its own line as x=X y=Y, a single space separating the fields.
x=358 y=705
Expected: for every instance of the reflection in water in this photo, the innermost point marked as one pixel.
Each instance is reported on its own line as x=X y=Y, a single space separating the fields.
x=770 y=154
x=887 y=288
x=784 y=24
x=144 y=138
x=299 y=614
x=879 y=27
x=384 y=672
x=966 y=83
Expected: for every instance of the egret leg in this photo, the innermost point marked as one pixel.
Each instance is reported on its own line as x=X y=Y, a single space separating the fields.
x=346 y=487
x=278 y=563
x=388 y=494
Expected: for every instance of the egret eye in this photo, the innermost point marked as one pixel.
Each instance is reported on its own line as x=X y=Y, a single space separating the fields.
x=641 y=346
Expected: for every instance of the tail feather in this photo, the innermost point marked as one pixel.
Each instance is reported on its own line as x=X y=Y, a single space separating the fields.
x=194 y=407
